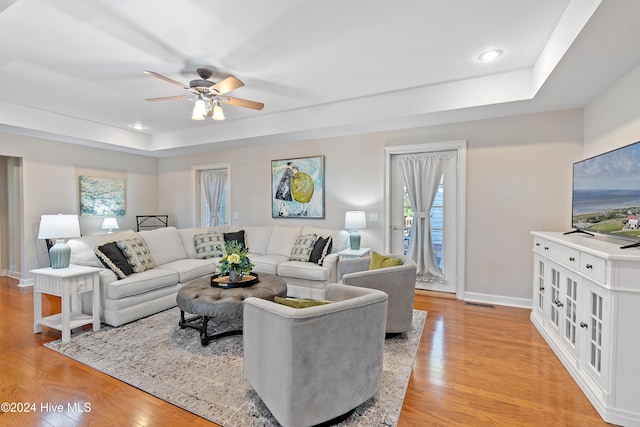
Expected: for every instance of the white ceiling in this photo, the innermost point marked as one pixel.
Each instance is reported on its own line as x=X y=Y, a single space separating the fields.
x=72 y=70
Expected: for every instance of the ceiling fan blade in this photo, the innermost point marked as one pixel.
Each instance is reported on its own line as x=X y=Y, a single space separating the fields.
x=226 y=85
x=166 y=79
x=167 y=98
x=242 y=103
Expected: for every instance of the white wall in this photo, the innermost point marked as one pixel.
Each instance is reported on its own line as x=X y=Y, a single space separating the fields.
x=518 y=180
x=50 y=184
x=613 y=119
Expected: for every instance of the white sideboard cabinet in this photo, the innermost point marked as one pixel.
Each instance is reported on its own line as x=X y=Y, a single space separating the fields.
x=586 y=304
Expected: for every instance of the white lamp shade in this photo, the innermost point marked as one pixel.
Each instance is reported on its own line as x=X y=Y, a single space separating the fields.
x=110 y=224
x=355 y=220
x=59 y=226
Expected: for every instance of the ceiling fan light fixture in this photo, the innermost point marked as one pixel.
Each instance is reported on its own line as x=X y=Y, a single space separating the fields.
x=218 y=114
x=195 y=115
x=200 y=107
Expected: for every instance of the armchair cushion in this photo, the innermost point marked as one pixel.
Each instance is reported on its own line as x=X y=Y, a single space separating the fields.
x=300 y=302
x=382 y=261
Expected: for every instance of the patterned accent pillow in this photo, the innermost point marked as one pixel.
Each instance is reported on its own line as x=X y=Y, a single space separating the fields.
x=112 y=258
x=209 y=245
x=301 y=250
x=137 y=253
x=320 y=250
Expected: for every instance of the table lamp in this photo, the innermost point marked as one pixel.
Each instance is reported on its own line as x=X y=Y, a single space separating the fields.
x=354 y=221
x=110 y=224
x=59 y=227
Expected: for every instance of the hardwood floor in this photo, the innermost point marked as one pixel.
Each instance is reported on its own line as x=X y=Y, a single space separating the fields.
x=475 y=366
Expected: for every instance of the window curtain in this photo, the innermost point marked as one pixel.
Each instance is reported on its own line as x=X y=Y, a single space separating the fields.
x=422 y=175
x=214 y=182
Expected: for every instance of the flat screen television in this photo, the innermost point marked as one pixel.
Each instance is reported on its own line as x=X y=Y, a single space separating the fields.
x=606 y=194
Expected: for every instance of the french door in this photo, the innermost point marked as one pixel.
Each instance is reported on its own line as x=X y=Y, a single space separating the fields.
x=445 y=214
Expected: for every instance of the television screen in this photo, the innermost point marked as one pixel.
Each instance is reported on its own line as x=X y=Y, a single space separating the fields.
x=606 y=193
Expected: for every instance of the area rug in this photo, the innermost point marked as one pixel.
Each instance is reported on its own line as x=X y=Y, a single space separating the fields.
x=156 y=356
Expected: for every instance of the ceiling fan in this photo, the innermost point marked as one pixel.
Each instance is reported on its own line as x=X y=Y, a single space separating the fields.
x=207 y=95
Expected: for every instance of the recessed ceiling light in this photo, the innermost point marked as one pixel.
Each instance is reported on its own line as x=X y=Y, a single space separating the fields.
x=490 y=55
x=137 y=126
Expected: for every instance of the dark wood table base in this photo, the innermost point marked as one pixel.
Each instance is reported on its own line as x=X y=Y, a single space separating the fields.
x=200 y=324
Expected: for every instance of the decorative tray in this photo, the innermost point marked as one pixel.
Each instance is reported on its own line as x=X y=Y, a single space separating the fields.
x=218 y=281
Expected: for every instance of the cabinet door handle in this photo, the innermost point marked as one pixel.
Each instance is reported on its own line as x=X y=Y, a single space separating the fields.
x=571 y=259
x=583 y=325
x=589 y=266
x=542 y=288
x=546 y=248
x=537 y=244
x=558 y=303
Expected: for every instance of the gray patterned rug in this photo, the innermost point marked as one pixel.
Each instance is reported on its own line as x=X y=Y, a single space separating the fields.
x=155 y=355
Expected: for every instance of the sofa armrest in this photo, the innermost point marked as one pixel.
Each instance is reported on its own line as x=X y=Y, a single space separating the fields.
x=331 y=262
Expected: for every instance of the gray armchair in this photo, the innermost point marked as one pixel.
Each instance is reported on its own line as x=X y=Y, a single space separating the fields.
x=312 y=365
x=398 y=282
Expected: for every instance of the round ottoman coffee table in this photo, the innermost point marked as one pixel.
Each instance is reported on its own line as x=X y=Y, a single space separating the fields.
x=207 y=302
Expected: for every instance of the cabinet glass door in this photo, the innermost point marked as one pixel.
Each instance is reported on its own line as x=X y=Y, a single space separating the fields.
x=570 y=310
x=540 y=292
x=595 y=334
x=555 y=297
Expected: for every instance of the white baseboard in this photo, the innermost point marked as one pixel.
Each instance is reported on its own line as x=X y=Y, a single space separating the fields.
x=498 y=300
x=25 y=283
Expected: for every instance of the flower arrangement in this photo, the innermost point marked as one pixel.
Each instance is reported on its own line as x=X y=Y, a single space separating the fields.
x=235 y=259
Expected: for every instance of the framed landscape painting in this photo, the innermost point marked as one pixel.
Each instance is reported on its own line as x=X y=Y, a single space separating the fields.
x=101 y=196
x=297 y=187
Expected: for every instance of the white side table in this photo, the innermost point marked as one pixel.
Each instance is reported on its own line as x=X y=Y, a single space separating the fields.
x=65 y=282
x=354 y=253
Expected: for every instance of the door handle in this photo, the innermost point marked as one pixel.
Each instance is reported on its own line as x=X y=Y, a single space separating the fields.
x=396 y=227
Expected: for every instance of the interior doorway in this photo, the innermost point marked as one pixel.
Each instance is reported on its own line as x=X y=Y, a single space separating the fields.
x=444 y=218
x=11 y=217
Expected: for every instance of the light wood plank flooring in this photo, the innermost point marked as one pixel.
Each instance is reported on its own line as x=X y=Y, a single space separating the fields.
x=476 y=366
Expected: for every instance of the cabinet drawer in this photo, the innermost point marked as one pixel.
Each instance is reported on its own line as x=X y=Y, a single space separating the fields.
x=594 y=268
x=561 y=254
x=539 y=244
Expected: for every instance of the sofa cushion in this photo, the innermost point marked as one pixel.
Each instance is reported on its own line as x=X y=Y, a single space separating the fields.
x=164 y=244
x=382 y=261
x=302 y=248
x=189 y=269
x=321 y=249
x=137 y=253
x=139 y=283
x=113 y=258
x=208 y=245
x=257 y=239
x=267 y=263
x=304 y=270
x=282 y=240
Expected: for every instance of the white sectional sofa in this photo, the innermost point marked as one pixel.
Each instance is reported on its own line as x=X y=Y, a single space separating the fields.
x=141 y=294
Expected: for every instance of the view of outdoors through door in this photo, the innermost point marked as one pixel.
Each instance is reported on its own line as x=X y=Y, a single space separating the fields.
x=442 y=216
